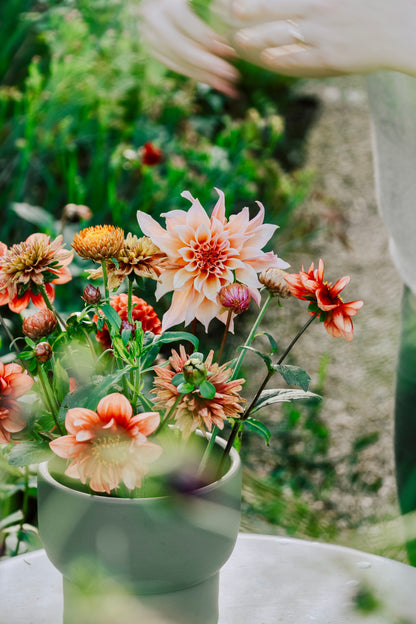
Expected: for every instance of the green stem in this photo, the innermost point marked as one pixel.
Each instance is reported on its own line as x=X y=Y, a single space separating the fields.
x=105 y=280
x=169 y=413
x=225 y=334
x=208 y=451
x=48 y=398
x=270 y=373
x=9 y=334
x=129 y=300
x=25 y=505
x=251 y=336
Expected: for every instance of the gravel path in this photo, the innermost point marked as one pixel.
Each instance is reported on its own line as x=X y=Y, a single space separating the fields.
x=359 y=385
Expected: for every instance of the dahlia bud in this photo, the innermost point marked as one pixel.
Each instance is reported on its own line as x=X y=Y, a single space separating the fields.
x=194 y=370
x=40 y=324
x=43 y=352
x=126 y=325
x=235 y=297
x=92 y=294
x=274 y=280
x=76 y=212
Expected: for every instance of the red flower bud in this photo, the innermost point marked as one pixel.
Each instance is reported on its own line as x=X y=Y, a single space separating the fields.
x=40 y=324
x=92 y=294
x=43 y=352
x=235 y=297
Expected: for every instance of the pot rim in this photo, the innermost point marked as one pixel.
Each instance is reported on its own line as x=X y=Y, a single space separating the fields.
x=231 y=472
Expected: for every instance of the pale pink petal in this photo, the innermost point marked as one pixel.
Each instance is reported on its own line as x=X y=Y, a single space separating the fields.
x=219 y=208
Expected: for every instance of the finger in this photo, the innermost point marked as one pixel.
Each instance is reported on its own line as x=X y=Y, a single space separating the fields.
x=198 y=74
x=167 y=40
x=298 y=60
x=196 y=29
x=260 y=10
x=269 y=35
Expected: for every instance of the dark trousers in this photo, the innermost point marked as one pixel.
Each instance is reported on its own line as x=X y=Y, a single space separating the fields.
x=405 y=418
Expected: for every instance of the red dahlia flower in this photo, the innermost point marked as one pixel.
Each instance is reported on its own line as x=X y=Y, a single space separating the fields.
x=142 y=312
x=324 y=298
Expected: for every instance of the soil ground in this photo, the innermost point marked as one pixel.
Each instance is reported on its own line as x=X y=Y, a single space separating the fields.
x=359 y=384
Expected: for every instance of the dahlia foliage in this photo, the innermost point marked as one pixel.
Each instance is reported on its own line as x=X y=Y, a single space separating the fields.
x=108 y=390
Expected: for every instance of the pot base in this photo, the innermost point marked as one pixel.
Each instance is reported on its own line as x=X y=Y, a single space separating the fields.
x=107 y=603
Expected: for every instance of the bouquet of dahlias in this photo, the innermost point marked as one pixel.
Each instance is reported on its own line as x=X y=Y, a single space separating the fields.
x=97 y=389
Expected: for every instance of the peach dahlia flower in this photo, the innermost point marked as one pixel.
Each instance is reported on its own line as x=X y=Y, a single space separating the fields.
x=14 y=383
x=108 y=446
x=206 y=253
x=194 y=411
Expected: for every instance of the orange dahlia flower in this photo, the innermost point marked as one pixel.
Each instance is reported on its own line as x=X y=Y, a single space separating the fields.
x=141 y=311
x=14 y=383
x=138 y=256
x=324 y=298
x=98 y=242
x=25 y=266
x=194 y=411
x=206 y=253
x=108 y=446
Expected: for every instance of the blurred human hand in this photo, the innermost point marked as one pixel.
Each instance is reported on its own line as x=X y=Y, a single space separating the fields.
x=316 y=38
x=179 y=39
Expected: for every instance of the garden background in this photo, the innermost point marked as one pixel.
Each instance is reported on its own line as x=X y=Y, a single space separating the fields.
x=79 y=99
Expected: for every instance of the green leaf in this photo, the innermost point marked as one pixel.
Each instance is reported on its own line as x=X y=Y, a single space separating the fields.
x=60 y=381
x=27 y=453
x=125 y=336
x=168 y=337
x=177 y=379
x=113 y=319
x=185 y=387
x=272 y=341
x=258 y=427
x=34 y=214
x=267 y=359
x=146 y=403
x=268 y=397
x=13 y=518
x=293 y=375
x=207 y=390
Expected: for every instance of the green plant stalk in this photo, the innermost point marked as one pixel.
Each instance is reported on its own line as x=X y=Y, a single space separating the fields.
x=48 y=398
x=129 y=300
x=251 y=336
x=25 y=505
x=105 y=280
x=168 y=414
x=9 y=335
x=237 y=367
x=270 y=373
x=225 y=334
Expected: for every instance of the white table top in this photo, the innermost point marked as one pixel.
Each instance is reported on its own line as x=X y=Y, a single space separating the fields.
x=268 y=580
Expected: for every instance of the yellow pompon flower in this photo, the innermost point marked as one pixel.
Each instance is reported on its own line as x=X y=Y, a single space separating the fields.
x=98 y=242
x=138 y=256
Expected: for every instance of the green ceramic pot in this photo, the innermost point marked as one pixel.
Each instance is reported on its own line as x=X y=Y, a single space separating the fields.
x=151 y=560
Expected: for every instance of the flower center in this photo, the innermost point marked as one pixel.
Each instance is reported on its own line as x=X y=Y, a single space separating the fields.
x=209 y=256
x=110 y=450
